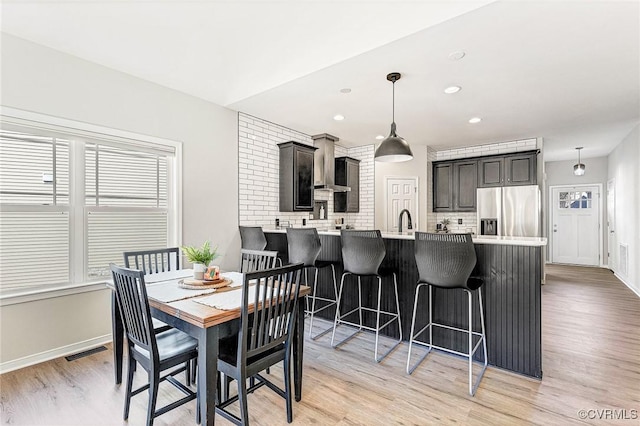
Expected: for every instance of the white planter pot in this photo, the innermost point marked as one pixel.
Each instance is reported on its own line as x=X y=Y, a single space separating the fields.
x=198 y=271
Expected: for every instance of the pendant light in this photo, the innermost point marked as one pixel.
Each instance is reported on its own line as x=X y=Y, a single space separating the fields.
x=393 y=149
x=579 y=168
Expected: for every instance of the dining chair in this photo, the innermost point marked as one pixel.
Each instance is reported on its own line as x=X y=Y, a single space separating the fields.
x=257 y=260
x=153 y=261
x=155 y=352
x=446 y=261
x=264 y=339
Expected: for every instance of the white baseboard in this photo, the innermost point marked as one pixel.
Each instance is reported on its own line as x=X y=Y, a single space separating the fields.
x=74 y=348
x=632 y=288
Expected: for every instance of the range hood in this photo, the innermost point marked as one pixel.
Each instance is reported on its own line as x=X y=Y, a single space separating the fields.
x=325 y=164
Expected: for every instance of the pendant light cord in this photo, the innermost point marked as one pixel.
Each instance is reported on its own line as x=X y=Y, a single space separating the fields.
x=393 y=103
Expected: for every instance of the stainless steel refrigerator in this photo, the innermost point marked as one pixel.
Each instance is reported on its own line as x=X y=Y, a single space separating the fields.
x=509 y=211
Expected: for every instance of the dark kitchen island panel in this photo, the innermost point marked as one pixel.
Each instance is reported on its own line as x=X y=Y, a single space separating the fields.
x=511 y=271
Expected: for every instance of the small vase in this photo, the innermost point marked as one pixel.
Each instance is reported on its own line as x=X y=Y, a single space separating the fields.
x=199 y=270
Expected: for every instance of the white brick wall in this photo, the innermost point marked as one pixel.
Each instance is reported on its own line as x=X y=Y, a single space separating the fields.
x=258 y=189
x=469 y=220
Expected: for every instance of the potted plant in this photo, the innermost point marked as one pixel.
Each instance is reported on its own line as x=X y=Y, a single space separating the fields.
x=200 y=257
x=444 y=223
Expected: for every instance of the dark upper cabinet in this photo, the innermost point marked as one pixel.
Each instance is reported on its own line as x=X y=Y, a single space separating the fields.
x=347 y=174
x=490 y=172
x=296 y=177
x=521 y=169
x=508 y=170
x=454 y=186
x=442 y=187
x=465 y=183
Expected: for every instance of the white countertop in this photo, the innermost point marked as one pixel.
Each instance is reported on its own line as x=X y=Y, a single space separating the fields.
x=478 y=239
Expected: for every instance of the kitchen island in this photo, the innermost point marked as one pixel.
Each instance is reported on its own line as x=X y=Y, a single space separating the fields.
x=511 y=268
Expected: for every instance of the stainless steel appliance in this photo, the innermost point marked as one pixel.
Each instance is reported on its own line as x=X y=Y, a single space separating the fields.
x=509 y=211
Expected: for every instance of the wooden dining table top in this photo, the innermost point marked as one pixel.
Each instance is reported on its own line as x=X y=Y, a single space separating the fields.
x=199 y=314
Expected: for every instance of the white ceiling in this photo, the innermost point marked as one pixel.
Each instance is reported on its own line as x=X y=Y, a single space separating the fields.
x=565 y=71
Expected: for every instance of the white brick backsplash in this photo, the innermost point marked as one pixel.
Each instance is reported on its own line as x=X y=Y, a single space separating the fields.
x=258 y=166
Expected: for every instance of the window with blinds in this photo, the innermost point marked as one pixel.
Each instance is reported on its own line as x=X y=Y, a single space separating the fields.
x=53 y=189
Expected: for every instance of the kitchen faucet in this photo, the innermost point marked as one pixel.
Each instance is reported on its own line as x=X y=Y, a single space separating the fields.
x=409 y=225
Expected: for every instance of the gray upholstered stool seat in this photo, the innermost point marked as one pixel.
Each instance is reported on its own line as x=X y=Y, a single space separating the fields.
x=446 y=261
x=362 y=255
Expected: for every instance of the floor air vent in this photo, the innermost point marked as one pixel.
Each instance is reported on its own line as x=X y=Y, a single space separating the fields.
x=623 y=259
x=85 y=353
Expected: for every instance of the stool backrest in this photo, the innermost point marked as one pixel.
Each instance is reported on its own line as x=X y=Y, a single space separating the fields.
x=304 y=245
x=131 y=293
x=252 y=238
x=445 y=260
x=362 y=251
x=257 y=260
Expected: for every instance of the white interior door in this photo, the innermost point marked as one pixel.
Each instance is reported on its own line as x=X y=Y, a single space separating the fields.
x=402 y=193
x=576 y=225
x=612 y=242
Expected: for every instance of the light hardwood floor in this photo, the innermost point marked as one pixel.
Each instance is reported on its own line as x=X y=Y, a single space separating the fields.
x=591 y=360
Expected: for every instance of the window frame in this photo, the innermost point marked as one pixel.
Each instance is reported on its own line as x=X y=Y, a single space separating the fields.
x=20 y=120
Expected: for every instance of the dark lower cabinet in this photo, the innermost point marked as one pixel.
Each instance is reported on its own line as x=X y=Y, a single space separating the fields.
x=296 y=177
x=347 y=174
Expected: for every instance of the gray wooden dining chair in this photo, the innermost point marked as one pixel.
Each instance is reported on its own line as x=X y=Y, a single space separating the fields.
x=154 y=352
x=153 y=261
x=257 y=260
x=264 y=338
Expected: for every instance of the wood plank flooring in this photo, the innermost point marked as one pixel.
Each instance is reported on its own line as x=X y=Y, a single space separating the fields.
x=591 y=360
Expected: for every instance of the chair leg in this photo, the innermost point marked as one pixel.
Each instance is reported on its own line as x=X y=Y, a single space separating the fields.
x=395 y=287
x=337 y=316
x=375 y=351
x=154 y=381
x=287 y=388
x=412 y=335
x=470 y=348
x=360 y=300
x=187 y=372
x=127 y=400
x=242 y=399
x=313 y=303
x=395 y=283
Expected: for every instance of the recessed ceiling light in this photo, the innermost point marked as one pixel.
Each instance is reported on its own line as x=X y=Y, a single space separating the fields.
x=345 y=90
x=457 y=55
x=452 y=89
x=338 y=117
x=379 y=137
x=475 y=120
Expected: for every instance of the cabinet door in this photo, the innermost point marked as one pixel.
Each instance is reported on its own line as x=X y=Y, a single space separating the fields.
x=353 y=181
x=465 y=185
x=490 y=172
x=443 y=187
x=521 y=169
x=303 y=180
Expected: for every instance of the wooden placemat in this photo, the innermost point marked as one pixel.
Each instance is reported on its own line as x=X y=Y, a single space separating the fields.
x=191 y=284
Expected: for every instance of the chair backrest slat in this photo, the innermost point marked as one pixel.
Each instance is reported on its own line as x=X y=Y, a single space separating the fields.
x=445 y=260
x=274 y=302
x=257 y=260
x=153 y=261
x=131 y=294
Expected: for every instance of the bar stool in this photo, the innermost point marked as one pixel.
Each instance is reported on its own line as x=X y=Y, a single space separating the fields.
x=304 y=247
x=446 y=261
x=362 y=255
x=253 y=238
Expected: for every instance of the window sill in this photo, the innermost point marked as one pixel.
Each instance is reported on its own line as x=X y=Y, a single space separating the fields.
x=31 y=295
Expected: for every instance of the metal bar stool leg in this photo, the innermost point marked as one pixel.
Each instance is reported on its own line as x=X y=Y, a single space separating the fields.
x=413 y=335
x=397 y=317
x=313 y=304
x=360 y=300
x=339 y=317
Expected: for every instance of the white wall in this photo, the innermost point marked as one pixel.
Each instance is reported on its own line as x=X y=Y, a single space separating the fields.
x=623 y=167
x=561 y=173
x=39 y=79
x=412 y=168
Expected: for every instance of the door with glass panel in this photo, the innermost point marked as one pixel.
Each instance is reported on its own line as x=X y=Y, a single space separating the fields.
x=575 y=225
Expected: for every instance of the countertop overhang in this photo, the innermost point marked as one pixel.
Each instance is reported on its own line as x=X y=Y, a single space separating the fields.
x=477 y=239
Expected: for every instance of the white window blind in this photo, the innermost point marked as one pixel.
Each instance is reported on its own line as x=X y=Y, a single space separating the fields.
x=34 y=249
x=110 y=233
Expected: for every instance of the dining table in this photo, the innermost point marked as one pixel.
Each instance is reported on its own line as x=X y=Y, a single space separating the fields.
x=206 y=314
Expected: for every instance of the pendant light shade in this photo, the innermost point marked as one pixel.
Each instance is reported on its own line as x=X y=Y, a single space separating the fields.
x=579 y=168
x=394 y=148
